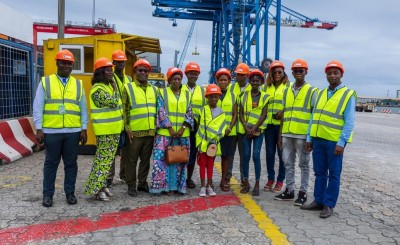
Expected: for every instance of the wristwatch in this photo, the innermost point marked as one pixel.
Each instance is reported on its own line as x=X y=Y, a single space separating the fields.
x=184 y=127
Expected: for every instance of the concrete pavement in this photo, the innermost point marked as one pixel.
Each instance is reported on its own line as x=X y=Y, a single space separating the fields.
x=368 y=210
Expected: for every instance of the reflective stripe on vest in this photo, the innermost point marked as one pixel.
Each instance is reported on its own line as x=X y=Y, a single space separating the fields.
x=328 y=114
x=197 y=99
x=175 y=109
x=106 y=120
x=297 y=110
x=142 y=115
x=227 y=105
x=252 y=115
x=60 y=98
x=120 y=84
x=215 y=128
x=275 y=104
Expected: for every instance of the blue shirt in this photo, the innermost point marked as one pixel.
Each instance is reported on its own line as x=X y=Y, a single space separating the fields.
x=38 y=107
x=348 y=117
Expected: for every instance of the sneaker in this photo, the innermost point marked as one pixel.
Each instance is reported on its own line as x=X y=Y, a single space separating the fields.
x=210 y=191
x=202 y=192
x=268 y=185
x=301 y=198
x=285 y=196
x=278 y=186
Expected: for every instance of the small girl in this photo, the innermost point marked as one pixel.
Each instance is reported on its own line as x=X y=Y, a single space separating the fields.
x=212 y=127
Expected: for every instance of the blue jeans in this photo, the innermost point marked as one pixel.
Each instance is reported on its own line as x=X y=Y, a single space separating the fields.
x=257 y=144
x=327 y=169
x=271 y=146
x=63 y=145
x=193 y=148
x=240 y=140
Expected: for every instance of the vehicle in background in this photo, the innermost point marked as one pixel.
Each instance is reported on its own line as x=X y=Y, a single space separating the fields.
x=157 y=79
x=367 y=107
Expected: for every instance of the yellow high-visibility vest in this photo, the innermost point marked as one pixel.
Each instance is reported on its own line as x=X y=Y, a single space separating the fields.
x=235 y=88
x=197 y=99
x=328 y=114
x=252 y=115
x=275 y=104
x=61 y=109
x=106 y=120
x=176 y=110
x=227 y=105
x=120 y=84
x=215 y=128
x=297 y=110
x=142 y=115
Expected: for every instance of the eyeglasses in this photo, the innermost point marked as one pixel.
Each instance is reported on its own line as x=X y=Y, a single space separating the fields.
x=298 y=71
x=142 y=70
x=277 y=72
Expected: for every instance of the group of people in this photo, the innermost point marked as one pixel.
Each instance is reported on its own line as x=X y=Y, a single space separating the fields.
x=295 y=119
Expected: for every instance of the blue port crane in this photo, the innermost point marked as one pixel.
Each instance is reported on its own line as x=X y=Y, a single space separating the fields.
x=186 y=45
x=237 y=26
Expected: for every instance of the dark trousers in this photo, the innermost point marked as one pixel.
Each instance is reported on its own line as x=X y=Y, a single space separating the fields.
x=141 y=147
x=271 y=145
x=228 y=148
x=240 y=138
x=63 y=145
x=193 y=148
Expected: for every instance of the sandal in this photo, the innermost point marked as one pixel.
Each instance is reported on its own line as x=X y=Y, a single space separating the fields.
x=225 y=187
x=190 y=184
x=256 y=191
x=245 y=189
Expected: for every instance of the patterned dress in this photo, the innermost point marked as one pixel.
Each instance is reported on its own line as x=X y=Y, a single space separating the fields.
x=168 y=177
x=106 y=147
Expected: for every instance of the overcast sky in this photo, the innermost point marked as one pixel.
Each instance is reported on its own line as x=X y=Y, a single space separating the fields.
x=366 y=41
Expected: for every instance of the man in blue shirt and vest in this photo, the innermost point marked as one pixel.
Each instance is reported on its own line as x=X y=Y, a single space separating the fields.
x=329 y=131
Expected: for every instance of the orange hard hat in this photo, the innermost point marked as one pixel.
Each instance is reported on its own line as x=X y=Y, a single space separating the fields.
x=142 y=62
x=334 y=64
x=300 y=63
x=256 y=72
x=223 y=71
x=172 y=71
x=213 y=89
x=65 y=54
x=242 y=68
x=276 y=63
x=119 y=55
x=192 y=66
x=102 y=62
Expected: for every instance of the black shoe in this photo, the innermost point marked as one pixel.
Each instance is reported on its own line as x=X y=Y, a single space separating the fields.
x=326 y=212
x=312 y=206
x=301 y=198
x=109 y=183
x=71 y=199
x=285 y=196
x=132 y=191
x=47 y=201
x=144 y=188
x=190 y=184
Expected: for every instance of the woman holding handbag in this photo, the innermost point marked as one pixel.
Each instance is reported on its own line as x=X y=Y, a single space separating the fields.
x=107 y=122
x=252 y=115
x=174 y=121
x=212 y=125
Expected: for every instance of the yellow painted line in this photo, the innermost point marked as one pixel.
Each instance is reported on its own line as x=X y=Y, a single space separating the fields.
x=271 y=230
x=13 y=181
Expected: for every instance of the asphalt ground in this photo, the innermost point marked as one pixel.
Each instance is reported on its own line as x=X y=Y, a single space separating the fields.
x=367 y=212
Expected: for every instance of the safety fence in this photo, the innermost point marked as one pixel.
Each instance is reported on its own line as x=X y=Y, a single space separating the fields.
x=16 y=79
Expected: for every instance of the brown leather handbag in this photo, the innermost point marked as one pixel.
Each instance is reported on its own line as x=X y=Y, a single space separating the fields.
x=177 y=153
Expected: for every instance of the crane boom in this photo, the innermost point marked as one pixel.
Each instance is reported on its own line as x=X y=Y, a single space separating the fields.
x=185 y=47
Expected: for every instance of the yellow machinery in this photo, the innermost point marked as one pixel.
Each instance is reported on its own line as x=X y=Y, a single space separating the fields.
x=157 y=79
x=86 y=50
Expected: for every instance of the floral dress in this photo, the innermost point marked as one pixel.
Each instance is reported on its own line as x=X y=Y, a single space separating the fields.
x=106 y=147
x=168 y=177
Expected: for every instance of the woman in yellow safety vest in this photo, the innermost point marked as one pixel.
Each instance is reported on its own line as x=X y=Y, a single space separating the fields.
x=107 y=122
x=252 y=115
x=228 y=103
x=276 y=82
x=174 y=121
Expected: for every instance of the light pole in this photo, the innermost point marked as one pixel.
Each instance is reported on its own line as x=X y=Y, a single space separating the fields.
x=61 y=18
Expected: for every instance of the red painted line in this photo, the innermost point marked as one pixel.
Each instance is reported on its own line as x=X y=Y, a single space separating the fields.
x=73 y=227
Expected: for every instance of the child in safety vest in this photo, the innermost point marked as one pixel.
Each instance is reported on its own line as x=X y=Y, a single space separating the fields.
x=212 y=125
